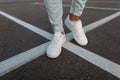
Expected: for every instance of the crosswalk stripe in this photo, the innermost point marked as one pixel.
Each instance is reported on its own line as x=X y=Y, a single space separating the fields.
x=21 y=59
x=27 y=25
x=95 y=59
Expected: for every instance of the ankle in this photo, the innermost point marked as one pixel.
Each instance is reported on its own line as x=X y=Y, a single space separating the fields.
x=73 y=17
x=63 y=33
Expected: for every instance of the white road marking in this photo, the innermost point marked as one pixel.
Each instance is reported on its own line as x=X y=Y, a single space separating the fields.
x=103 y=8
x=95 y=59
x=27 y=25
x=41 y=49
x=88 y=7
x=104 y=2
x=21 y=59
x=101 y=22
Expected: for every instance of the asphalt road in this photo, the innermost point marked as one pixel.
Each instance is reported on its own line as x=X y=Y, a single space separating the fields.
x=15 y=39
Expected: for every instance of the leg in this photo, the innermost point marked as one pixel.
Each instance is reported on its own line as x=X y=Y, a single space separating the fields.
x=55 y=12
x=77 y=7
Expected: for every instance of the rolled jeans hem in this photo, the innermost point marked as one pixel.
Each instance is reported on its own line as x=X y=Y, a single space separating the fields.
x=58 y=29
x=76 y=13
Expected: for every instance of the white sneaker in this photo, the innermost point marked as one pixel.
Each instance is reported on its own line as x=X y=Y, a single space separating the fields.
x=77 y=31
x=54 y=48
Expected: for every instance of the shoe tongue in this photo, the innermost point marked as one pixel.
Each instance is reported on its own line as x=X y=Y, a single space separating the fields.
x=56 y=37
x=57 y=33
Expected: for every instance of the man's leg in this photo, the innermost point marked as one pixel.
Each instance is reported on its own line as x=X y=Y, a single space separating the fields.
x=77 y=7
x=74 y=23
x=55 y=12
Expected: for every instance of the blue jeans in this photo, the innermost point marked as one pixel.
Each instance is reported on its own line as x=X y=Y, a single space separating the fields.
x=55 y=12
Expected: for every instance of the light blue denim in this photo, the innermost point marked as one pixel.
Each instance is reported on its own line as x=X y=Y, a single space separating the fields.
x=55 y=12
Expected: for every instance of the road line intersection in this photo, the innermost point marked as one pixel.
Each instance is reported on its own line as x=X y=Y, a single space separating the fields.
x=47 y=35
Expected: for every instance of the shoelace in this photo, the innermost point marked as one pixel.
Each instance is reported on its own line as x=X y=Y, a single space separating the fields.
x=56 y=39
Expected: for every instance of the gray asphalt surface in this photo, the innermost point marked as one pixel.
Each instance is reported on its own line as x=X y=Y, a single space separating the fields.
x=14 y=39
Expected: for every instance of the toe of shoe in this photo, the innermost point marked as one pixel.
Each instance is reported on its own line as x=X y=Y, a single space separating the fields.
x=53 y=53
x=82 y=42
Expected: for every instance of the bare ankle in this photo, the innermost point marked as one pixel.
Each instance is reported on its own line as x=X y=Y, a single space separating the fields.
x=62 y=33
x=74 y=17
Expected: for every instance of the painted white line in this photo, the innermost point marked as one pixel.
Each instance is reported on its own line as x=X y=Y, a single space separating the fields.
x=104 y=2
x=101 y=22
x=27 y=25
x=38 y=51
x=21 y=59
x=102 y=8
x=95 y=59
x=88 y=7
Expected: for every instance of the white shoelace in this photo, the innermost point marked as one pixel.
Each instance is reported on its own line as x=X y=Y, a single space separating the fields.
x=56 y=38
